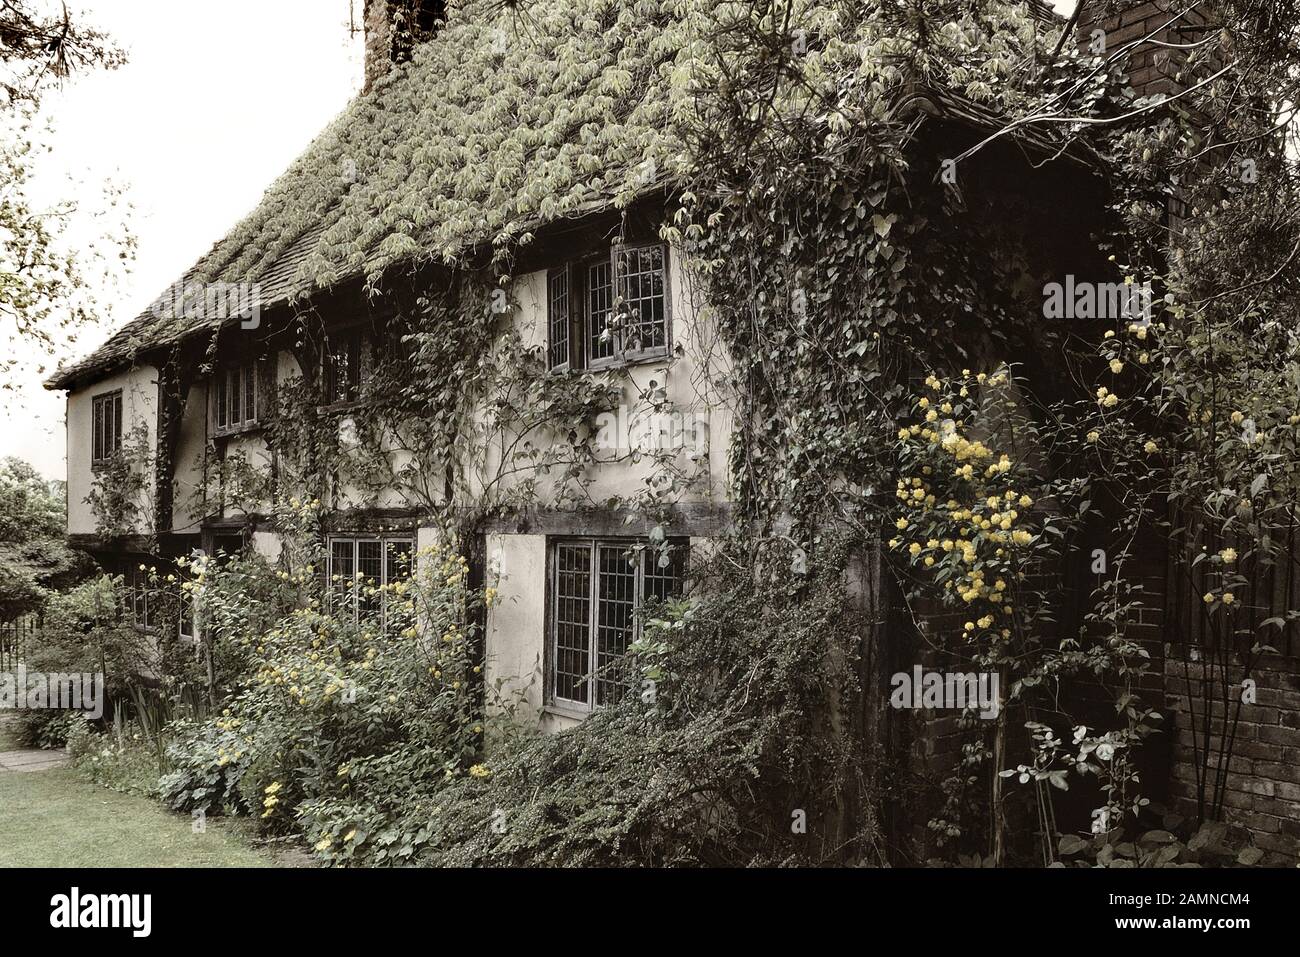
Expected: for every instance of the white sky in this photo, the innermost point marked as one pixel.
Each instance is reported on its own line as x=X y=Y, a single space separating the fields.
x=215 y=102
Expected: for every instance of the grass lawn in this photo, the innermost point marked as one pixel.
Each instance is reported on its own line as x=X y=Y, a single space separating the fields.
x=56 y=819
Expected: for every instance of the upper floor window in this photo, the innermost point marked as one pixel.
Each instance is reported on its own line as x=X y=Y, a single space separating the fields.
x=596 y=587
x=234 y=399
x=349 y=364
x=558 y=317
x=107 y=426
x=642 y=279
x=610 y=309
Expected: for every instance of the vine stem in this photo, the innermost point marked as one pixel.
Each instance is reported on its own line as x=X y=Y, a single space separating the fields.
x=999 y=758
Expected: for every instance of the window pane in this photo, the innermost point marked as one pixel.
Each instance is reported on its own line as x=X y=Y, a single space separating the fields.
x=397 y=562
x=370 y=572
x=185 y=607
x=250 y=392
x=354 y=366
x=600 y=300
x=341 y=570
x=641 y=285
x=336 y=372
x=116 y=405
x=98 y=443
x=236 y=396
x=219 y=401
x=664 y=571
x=616 y=588
x=557 y=315
x=572 y=658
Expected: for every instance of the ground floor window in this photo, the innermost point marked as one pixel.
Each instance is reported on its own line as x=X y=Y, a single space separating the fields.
x=187 y=626
x=140 y=597
x=596 y=587
x=359 y=568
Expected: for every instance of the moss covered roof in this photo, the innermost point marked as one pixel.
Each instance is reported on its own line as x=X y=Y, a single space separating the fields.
x=502 y=122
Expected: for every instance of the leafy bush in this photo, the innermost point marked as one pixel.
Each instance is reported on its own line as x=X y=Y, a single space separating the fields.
x=737 y=733
x=1214 y=844
x=332 y=704
x=127 y=763
x=86 y=632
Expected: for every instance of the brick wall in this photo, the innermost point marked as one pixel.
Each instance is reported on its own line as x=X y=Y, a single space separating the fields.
x=1263 y=780
x=1151 y=67
x=379 y=41
x=1263 y=784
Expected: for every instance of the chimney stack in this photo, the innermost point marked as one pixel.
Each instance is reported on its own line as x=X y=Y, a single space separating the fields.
x=393 y=27
x=1151 y=66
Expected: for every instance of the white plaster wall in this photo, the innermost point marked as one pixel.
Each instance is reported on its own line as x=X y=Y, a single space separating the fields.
x=251 y=446
x=516 y=623
x=692 y=377
x=267 y=544
x=139 y=405
x=188 y=505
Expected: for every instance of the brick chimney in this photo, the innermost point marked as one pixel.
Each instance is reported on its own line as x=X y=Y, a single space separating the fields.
x=393 y=27
x=1151 y=67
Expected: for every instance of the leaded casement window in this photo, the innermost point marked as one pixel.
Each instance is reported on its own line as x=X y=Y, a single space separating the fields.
x=558 y=317
x=361 y=567
x=599 y=302
x=350 y=358
x=141 y=598
x=610 y=309
x=106 y=426
x=595 y=588
x=235 y=397
x=642 y=286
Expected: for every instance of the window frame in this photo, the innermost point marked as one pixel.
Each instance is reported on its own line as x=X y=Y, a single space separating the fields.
x=186 y=612
x=554 y=276
x=553 y=700
x=616 y=358
x=368 y=356
x=356 y=539
x=653 y=352
x=143 y=615
x=245 y=376
x=100 y=441
x=580 y=326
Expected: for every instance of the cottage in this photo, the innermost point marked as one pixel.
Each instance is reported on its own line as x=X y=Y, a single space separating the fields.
x=458 y=314
x=177 y=424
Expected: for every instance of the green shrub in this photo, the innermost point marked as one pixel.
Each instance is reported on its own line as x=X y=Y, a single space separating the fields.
x=84 y=631
x=332 y=704
x=739 y=727
x=127 y=762
x=1213 y=844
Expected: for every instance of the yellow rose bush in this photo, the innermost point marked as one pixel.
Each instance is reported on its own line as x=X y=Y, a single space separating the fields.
x=355 y=689
x=984 y=528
